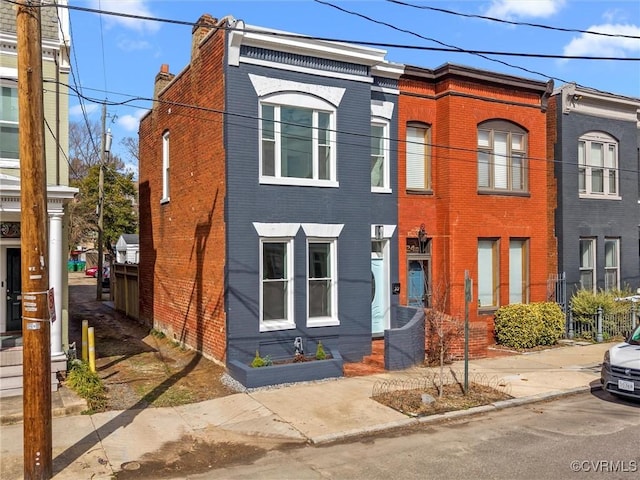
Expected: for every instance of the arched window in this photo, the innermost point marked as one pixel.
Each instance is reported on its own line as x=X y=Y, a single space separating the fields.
x=502 y=157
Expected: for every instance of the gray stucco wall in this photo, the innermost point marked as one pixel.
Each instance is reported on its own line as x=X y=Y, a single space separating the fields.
x=352 y=204
x=585 y=217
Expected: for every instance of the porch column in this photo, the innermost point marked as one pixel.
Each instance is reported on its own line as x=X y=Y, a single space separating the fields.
x=55 y=279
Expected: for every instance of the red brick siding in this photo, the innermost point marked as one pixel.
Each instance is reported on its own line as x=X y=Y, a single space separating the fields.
x=183 y=241
x=455 y=216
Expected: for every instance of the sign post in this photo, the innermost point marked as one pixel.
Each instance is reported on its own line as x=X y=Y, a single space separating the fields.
x=468 y=297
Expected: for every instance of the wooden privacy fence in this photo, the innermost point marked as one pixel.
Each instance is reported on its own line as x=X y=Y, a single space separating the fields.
x=124 y=288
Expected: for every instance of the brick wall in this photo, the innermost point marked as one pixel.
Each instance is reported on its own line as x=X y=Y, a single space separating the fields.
x=182 y=254
x=455 y=214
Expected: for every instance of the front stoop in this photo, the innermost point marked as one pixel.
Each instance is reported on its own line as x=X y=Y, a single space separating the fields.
x=11 y=371
x=370 y=364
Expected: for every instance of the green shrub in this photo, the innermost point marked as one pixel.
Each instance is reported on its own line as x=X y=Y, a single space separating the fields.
x=553 y=322
x=88 y=385
x=259 y=361
x=320 y=353
x=585 y=303
x=529 y=325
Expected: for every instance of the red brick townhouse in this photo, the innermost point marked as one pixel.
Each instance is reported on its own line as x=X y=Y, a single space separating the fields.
x=475 y=193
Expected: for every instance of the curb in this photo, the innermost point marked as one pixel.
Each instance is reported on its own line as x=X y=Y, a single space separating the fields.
x=444 y=417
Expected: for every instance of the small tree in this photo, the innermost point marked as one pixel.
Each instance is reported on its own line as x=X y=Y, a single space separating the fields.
x=442 y=330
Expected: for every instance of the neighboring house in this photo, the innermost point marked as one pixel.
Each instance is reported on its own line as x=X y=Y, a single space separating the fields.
x=268 y=201
x=475 y=194
x=128 y=248
x=594 y=137
x=55 y=51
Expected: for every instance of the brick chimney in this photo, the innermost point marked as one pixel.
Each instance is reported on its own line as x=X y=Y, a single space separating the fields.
x=200 y=30
x=163 y=77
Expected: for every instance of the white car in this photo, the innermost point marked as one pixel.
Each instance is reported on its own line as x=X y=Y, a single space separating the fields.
x=620 y=373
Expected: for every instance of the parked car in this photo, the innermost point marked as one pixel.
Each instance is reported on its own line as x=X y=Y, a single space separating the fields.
x=620 y=373
x=91 y=272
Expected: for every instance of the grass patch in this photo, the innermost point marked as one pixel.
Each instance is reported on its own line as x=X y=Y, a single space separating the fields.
x=172 y=397
x=88 y=385
x=157 y=333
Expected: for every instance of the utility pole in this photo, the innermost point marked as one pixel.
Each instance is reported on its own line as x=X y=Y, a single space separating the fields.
x=104 y=149
x=36 y=326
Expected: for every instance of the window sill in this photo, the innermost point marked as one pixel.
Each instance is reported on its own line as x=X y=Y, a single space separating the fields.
x=603 y=196
x=272 y=326
x=504 y=193
x=381 y=190
x=323 y=322
x=418 y=191
x=300 y=182
x=487 y=310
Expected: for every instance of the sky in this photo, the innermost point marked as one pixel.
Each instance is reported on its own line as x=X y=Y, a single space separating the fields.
x=116 y=59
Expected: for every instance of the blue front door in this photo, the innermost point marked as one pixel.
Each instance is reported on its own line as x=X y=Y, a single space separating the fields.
x=415 y=292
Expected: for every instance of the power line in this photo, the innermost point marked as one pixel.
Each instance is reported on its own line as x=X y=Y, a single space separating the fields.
x=365 y=137
x=511 y=22
x=445 y=48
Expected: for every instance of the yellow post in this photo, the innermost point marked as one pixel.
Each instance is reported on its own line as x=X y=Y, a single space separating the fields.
x=85 y=351
x=92 y=350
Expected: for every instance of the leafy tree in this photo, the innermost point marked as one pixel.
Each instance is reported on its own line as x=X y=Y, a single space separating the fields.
x=120 y=194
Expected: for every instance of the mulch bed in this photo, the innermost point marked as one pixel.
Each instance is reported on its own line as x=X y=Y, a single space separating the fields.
x=453 y=398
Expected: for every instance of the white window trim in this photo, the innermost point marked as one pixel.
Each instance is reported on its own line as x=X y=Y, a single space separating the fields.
x=386 y=188
x=592 y=269
x=13 y=73
x=288 y=323
x=307 y=101
x=265 y=86
x=321 y=232
x=606 y=140
x=333 y=320
x=166 y=145
x=617 y=267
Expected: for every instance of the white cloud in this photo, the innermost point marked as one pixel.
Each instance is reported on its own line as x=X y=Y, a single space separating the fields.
x=514 y=9
x=129 y=45
x=76 y=110
x=130 y=122
x=598 y=45
x=130 y=7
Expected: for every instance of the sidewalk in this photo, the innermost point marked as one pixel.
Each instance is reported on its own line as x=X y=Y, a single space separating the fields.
x=96 y=446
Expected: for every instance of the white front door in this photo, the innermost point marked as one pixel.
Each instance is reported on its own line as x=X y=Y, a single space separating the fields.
x=379 y=289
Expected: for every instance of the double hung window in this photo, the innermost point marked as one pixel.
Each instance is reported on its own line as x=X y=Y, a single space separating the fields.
x=321 y=279
x=502 y=157
x=488 y=273
x=9 y=149
x=165 y=166
x=587 y=264
x=598 y=166
x=611 y=263
x=297 y=142
x=276 y=292
x=418 y=165
x=518 y=271
x=380 y=172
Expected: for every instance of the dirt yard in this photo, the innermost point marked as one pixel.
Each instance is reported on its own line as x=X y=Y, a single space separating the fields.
x=139 y=367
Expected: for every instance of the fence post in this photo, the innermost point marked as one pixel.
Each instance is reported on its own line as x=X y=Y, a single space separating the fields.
x=570 y=316
x=634 y=316
x=599 y=338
